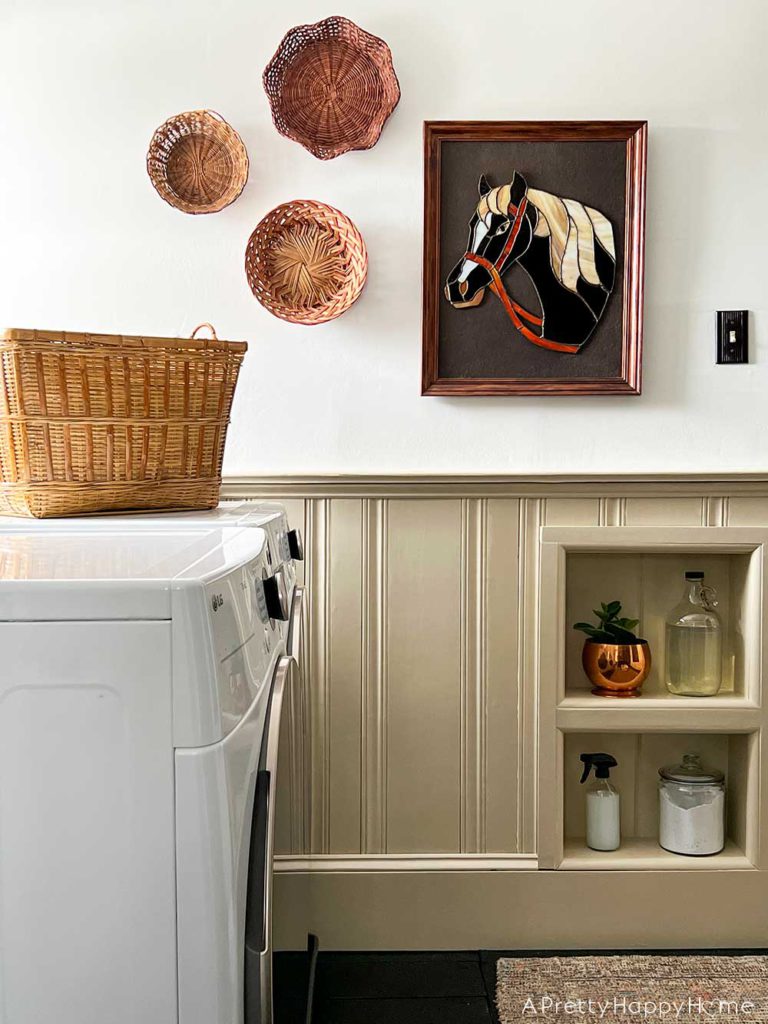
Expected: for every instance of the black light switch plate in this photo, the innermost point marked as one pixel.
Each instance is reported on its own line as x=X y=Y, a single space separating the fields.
x=732 y=336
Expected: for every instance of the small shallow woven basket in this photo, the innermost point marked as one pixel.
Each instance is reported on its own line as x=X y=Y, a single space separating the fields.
x=331 y=87
x=97 y=423
x=197 y=162
x=306 y=262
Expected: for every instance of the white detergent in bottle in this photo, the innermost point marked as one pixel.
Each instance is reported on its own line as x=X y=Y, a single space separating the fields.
x=603 y=803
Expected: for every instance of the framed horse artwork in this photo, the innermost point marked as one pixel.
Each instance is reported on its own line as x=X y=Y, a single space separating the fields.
x=534 y=237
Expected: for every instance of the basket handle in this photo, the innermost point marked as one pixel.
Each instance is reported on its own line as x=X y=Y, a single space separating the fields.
x=210 y=327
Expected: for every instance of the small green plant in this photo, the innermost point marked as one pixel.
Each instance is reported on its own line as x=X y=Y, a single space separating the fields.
x=610 y=628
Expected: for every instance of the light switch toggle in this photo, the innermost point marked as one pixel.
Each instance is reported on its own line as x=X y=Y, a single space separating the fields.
x=732 y=336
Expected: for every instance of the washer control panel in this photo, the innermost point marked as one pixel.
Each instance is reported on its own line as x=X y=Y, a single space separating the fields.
x=245 y=633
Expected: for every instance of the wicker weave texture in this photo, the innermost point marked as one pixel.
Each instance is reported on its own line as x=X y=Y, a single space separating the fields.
x=197 y=162
x=93 y=423
x=331 y=87
x=306 y=262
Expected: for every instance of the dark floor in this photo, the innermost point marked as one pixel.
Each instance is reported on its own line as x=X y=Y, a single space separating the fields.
x=402 y=988
x=389 y=988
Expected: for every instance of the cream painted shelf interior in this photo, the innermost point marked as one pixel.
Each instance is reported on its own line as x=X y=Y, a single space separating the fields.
x=640 y=755
x=648 y=584
x=643 y=568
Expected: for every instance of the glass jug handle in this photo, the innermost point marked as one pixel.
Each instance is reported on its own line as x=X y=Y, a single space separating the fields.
x=709 y=597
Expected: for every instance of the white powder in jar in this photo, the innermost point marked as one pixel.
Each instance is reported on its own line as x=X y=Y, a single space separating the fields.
x=691 y=818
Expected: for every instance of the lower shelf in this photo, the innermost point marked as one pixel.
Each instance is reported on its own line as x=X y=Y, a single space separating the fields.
x=646 y=854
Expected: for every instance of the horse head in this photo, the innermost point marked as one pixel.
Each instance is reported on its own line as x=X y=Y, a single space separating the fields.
x=495 y=240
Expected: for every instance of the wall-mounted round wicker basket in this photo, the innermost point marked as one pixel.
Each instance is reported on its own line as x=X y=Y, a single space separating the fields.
x=331 y=87
x=197 y=162
x=306 y=262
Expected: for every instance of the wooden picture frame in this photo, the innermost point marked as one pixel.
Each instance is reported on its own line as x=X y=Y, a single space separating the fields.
x=614 y=172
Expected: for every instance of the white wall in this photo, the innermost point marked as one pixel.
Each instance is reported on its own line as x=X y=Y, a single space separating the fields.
x=85 y=243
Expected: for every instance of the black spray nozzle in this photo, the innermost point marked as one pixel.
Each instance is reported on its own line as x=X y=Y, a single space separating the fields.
x=602 y=763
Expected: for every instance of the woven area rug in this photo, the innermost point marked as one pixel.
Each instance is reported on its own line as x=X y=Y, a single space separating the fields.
x=632 y=989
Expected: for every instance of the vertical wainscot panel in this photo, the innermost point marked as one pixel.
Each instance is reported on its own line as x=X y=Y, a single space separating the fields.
x=502 y=782
x=347 y=559
x=425 y=545
x=666 y=511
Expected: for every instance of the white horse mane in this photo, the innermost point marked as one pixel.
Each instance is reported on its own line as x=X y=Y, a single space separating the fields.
x=572 y=229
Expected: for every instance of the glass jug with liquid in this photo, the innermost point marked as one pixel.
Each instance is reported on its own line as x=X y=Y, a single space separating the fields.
x=694 y=641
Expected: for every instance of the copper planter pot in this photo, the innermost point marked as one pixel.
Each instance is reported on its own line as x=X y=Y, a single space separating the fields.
x=616 y=670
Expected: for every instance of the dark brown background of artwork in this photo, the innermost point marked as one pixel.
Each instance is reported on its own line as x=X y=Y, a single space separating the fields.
x=610 y=162
x=482 y=341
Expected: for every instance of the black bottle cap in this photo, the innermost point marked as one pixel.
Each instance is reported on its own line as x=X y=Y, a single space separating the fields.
x=602 y=763
x=696 y=575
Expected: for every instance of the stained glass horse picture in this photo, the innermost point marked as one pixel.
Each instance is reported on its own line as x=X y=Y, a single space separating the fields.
x=566 y=248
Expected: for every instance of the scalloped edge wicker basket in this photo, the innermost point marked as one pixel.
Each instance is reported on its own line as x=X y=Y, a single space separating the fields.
x=202 y=128
x=306 y=262
x=334 y=129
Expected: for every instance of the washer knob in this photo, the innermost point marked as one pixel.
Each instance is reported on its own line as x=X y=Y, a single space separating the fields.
x=276 y=595
x=296 y=545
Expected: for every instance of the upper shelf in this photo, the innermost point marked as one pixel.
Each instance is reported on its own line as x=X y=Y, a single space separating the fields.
x=726 y=712
x=722 y=715
x=580 y=699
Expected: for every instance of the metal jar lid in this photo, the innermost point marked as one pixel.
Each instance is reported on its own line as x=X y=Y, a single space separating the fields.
x=692 y=772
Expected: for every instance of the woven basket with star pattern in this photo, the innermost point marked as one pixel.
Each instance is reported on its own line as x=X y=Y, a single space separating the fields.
x=306 y=262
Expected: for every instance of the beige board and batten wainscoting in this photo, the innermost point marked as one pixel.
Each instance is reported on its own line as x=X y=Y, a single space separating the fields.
x=430 y=797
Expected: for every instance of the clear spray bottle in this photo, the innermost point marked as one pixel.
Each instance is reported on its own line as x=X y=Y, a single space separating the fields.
x=603 y=803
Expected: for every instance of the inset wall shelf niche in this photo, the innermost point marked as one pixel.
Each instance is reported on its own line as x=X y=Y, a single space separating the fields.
x=640 y=755
x=643 y=568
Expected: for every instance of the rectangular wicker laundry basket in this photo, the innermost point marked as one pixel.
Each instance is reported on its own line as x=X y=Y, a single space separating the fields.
x=99 y=422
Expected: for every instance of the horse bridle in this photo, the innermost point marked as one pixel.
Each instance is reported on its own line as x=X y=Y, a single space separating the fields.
x=514 y=310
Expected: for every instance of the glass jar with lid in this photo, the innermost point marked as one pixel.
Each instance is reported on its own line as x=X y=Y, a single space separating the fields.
x=694 y=641
x=691 y=808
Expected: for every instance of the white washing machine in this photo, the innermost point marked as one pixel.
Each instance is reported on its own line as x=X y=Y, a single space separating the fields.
x=142 y=681
x=285 y=545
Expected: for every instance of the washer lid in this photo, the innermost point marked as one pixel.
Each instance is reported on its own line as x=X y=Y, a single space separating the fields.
x=228 y=513
x=61 y=573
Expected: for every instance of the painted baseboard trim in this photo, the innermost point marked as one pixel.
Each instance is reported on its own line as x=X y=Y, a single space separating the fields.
x=405 y=862
x=414 y=910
